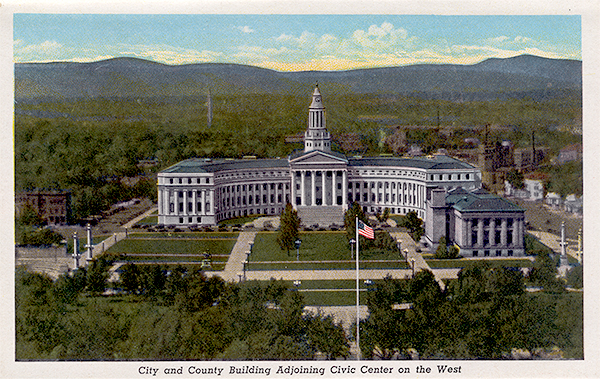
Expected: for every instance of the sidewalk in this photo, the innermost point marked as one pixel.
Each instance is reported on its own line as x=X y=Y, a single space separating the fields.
x=235 y=264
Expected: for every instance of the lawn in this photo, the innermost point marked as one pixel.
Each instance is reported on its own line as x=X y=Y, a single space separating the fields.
x=460 y=263
x=240 y=220
x=186 y=235
x=339 y=265
x=150 y=220
x=315 y=246
x=173 y=246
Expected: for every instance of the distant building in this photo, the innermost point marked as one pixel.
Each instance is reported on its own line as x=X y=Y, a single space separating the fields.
x=479 y=223
x=554 y=200
x=574 y=204
x=318 y=182
x=533 y=190
x=569 y=153
x=53 y=207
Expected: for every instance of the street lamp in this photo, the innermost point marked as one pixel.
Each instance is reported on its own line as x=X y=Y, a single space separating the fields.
x=251 y=245
x=406 y=254
x=298 y=242
x=412 y=261
x=368 y=283
x=297 y=284
x=352 y=242
x=399 y=244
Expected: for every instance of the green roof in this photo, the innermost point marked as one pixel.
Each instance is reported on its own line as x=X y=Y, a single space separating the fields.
x=200 y=165
x=478 y=201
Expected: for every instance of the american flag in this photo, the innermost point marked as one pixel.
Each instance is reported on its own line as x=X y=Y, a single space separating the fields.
x=365 y=230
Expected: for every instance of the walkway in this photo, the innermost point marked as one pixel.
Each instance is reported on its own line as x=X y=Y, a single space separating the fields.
x=235 y=263
x=139 y=218
x=420 y=263
x=553 y=242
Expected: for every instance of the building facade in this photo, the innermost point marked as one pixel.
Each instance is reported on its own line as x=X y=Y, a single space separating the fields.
x=481 y=224
x=318 y=182
x=53 y=207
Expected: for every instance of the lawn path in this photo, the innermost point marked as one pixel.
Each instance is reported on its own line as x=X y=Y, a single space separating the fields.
x=235 y=263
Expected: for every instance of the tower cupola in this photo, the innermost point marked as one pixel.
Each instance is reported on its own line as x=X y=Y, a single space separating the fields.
x=316 y=136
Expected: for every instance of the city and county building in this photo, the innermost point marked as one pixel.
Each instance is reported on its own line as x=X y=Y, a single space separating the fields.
x=481 y=224
x=52 y=207
x=318 y=182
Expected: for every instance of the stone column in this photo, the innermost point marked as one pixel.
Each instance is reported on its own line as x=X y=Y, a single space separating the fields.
x=313 y=188
x=344 y=189
x=176 y=193
x=212 y=202
x=302 y=188
x=503 y=230
x=492 y=232
x=185 y=203
x=519 y=241
x=469 y=239
x=203 y=209
x=293 y=190
x=167 y=201
x=333 y=188
x=323 y=189
x=480 y=232
x=195 y=202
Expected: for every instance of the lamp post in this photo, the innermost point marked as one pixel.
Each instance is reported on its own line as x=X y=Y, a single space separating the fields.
x=406 y=255
x=298 y=242
x=245 y=263
x=297 y=284
x=352 y=242
x=399 y=244
x=251 y=245
x=412 y=262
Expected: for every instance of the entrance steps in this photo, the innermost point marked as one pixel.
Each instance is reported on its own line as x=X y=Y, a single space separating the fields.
x=323 y=216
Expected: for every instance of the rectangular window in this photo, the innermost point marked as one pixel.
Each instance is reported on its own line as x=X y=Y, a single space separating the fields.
x=475 y=253
x=181 y=220
x=498 y=253
x=486 y=253
x=510 y=253
x=180 y=207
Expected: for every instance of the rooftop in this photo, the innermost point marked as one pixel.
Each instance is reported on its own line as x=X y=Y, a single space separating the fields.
x=478 y=201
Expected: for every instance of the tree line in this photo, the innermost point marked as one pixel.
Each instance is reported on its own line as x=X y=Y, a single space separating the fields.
x=177 y=314
x=484 y=314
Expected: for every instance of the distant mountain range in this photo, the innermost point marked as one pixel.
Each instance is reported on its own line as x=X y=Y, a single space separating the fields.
x=136 y=78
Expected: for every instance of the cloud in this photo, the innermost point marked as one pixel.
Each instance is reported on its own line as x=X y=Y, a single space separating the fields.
x=170 y=54
x=48 y=49
x=245 y=29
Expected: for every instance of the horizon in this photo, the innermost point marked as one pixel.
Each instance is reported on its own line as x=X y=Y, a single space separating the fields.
x=242 y=64
x=293 y=43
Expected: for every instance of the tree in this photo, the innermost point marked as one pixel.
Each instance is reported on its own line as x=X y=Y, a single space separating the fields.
x=288 y=228
x=444 y=251
x=414 y=224
x=97 y=274
x=130 y=278
x=515 y=178
x=544 y=273
x=350 y=216
x=328 y=337
x=575 y=277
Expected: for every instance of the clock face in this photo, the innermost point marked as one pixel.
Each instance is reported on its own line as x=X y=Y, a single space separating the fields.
x=317 y=100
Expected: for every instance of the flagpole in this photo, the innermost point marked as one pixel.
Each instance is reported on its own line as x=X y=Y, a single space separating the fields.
x=357 y=298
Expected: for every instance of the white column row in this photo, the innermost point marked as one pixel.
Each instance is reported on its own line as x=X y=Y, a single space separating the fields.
x=171 y=198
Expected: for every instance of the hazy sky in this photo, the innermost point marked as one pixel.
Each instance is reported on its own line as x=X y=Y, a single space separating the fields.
x=293 y=42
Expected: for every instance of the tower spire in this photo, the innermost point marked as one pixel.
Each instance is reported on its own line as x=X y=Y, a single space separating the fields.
x=316 y=136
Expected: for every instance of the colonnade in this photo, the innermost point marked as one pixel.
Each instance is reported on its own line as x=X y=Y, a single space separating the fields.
x=179 y=202
x=308 y=196
x=476 y=230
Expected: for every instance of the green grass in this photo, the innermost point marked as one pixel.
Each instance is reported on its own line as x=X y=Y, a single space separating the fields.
x=460 y=263
x=349 y=265
x=341 y=298
x=329 y=284
x=194 y=235
x=240 y=220
x=315 y=246
x=187 y=246
x=150 y=220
